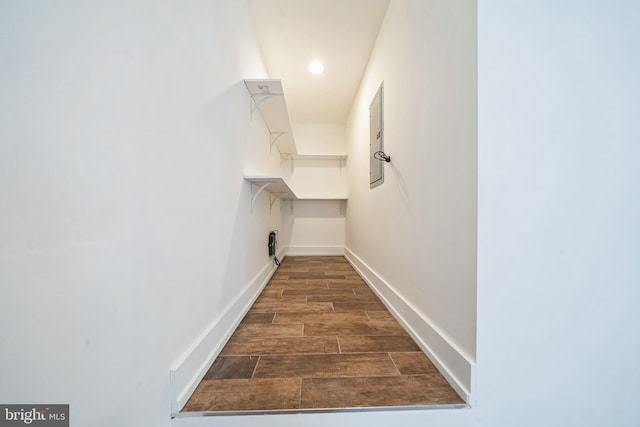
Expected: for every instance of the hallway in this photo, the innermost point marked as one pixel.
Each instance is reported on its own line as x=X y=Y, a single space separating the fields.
x=319 y=338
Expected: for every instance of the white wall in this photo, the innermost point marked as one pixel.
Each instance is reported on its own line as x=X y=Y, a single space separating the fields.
x=320 y=138
x=416 y=233
x=125 y=223
x=558 y=229
x=93 y=308
x=317 y=227
x=316 y=178
x=558 y=213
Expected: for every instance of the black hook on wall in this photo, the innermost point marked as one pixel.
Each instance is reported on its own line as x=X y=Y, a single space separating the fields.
x=380 y=155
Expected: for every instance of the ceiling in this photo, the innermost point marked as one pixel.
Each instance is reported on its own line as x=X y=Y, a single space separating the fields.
x=339 y=33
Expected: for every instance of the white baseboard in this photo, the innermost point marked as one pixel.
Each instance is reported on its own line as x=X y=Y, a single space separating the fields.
x=192 y=366
x=315 y=250
x=454 y=364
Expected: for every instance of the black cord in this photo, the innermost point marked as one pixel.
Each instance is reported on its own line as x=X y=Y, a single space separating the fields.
x=380 y=155
x=275 y=248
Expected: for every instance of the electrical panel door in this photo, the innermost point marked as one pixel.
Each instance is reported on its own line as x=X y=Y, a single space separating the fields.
x=376 y=137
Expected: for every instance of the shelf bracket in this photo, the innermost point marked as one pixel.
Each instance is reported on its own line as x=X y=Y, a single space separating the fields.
x=274 y=138
x=277 y=135
x=257 y=193
x=274 y=197
x=264 y=97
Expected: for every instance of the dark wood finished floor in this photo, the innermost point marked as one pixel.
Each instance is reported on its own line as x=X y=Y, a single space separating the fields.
x=319 y=338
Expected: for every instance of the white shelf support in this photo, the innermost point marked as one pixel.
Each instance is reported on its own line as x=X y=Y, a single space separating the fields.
x=263 y=97
x=280 y=189
x=275 y=185
x=274 y=197
x=257 y=193
x=268 y=98
x=274 y=138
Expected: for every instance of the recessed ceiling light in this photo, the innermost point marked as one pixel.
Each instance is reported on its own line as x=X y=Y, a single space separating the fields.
x=316 y=67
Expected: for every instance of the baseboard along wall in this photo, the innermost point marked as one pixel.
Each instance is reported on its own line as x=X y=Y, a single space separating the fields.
x=191 y=367
x=315 y=250
x=457 y=367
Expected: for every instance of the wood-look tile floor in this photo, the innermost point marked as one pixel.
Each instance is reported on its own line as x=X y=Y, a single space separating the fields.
x=319 y=338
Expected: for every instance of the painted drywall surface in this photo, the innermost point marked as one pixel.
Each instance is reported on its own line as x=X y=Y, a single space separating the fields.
x=558 y=234
x=316 y=178
x=317 y=224
x=125 y=224
x=418 y=229
x=558 y=230
x=320 y=138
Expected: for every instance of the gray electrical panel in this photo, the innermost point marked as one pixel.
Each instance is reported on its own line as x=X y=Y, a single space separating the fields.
x=376 y=138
